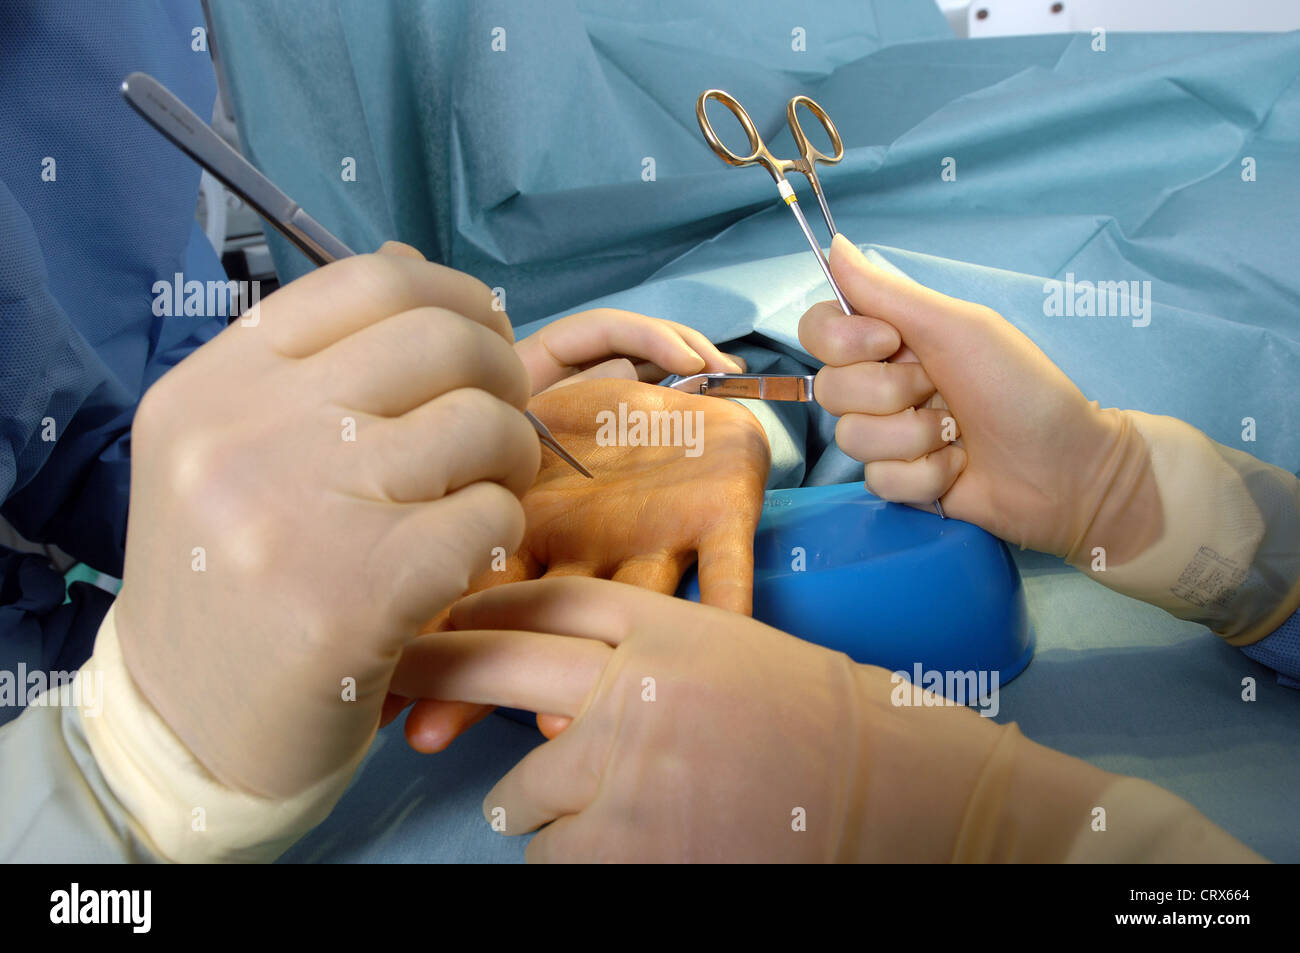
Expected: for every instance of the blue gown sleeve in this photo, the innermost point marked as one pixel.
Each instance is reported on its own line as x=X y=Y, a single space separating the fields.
x=95 y=208
x=64 y=414
x=1280 y=651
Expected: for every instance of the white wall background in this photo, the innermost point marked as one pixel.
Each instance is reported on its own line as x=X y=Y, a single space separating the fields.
x=1014 y=17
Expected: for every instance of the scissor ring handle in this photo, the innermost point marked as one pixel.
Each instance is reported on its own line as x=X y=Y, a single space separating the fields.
x=806 y=148
x=758 y=151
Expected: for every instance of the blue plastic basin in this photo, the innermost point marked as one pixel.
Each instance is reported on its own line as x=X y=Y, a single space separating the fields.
x=888 y=585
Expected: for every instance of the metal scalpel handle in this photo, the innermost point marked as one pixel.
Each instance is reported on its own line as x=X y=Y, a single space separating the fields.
x=171 y=117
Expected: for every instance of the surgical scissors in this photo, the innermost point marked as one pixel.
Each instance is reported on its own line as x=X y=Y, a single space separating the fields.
x=171 y=117
x=805 y=165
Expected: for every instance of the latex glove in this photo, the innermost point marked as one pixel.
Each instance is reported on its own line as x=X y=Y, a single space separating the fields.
x=1147 y=505
x=647 y=516
x=607 y=342
x=703 y=735
x=271 y=561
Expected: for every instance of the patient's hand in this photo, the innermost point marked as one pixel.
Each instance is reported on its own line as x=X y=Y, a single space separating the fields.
x=650 y=512
x=650 y=509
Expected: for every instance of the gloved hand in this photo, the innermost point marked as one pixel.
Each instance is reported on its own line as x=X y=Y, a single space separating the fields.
x=607 y=342
x=1147 y=505
x=700 y=734
x=306 y=491
x=647 y=516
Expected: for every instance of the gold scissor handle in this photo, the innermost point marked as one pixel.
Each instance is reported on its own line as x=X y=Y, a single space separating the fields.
x=806 y=149
x=758 y=152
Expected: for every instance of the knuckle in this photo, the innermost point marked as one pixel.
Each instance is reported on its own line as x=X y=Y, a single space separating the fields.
x=151 y=416
x=483 y=292
x=459 y=335
x=489 y=513
x=490 y=360
x=473 y=404
x=376 y=272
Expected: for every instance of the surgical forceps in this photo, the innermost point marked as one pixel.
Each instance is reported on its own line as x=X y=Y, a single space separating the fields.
x=166 y=113
x=805 y=165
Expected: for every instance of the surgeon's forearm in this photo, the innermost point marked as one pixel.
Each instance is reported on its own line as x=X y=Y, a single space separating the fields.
x=921 y=780
x=1208 y=533
x=1033 y=804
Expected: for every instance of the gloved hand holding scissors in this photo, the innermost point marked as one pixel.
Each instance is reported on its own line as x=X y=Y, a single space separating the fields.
x=1147 y=505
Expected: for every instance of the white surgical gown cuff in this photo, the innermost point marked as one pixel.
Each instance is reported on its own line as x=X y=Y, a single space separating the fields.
x=175 y=805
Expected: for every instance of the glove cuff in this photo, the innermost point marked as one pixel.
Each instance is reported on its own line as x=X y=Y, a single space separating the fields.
x=176 y=806
x=1029 y=804
x=1146 y=824
x=1035 y=805
x=1220 y=530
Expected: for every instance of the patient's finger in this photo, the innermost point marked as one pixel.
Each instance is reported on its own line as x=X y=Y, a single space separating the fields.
x=726 y=561
x=518 y=568
x=559 y=570
x=659 y=573
x=552 y=726
x=433 y=724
